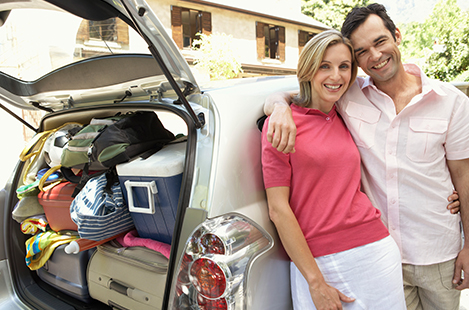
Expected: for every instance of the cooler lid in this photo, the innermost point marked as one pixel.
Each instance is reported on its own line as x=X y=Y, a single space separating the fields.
x=167 y=162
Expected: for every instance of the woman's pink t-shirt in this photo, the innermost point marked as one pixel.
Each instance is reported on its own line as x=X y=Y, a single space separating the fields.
x=324 y=179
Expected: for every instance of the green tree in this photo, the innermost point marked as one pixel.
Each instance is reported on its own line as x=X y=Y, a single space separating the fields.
x=215 y=55
x=330 y=12
x=440 y=45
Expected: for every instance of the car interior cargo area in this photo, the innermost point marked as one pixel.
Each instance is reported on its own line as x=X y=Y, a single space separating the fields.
x=134 y=179
x=99 y=201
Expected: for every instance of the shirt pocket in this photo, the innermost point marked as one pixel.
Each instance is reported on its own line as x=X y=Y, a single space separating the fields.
x=426 y=138
x=362 y=122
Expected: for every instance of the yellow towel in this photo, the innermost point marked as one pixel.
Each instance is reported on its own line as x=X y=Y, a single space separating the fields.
x=40 y=247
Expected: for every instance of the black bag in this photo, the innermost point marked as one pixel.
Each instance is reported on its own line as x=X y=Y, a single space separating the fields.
x=107 y=142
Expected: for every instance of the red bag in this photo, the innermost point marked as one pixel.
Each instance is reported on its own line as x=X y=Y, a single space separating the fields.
x=56 y=203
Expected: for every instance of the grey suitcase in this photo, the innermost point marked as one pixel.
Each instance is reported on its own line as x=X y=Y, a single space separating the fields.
x=127 y=278
x=67 y=272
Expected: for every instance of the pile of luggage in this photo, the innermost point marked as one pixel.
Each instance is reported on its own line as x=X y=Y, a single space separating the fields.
x=100 y=201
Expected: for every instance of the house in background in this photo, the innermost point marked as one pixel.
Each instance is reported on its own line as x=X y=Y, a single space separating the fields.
x=268 y=35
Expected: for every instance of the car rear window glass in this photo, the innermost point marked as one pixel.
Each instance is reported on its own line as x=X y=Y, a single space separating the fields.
x=34 y=42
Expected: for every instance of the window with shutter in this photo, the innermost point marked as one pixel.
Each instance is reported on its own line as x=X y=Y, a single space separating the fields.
x=270 y=41
x=303 y=38
x=187 y=24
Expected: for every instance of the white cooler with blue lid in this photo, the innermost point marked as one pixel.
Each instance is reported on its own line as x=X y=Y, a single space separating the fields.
x=151 y=188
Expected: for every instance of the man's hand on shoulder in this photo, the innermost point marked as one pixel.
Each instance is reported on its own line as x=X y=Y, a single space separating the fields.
x=281 y=131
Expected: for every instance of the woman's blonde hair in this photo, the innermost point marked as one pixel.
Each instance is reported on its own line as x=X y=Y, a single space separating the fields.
x=310 y=60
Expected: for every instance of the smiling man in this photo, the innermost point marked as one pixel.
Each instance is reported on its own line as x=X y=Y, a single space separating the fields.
x=413 y=137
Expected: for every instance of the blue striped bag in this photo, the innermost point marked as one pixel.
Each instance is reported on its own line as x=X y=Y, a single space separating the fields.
x=100 y=211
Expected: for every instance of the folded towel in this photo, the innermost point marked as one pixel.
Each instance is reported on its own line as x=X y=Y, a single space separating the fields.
x=27 y=207
x=132 y=239
x=40 y=247
x=34 y=224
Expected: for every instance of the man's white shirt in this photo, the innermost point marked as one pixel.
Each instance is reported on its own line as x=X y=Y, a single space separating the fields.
x=404 y=170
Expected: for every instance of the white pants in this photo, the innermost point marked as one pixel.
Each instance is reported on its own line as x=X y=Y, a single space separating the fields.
x=371 y=274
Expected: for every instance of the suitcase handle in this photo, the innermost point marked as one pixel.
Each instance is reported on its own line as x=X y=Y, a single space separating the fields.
x=121 y=289
x=133 y=293
x=151 y=190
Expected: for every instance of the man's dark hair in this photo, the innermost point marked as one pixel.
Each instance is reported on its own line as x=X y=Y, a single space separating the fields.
x=358 y=16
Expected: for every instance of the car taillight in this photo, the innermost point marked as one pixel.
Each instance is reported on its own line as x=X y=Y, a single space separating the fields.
x=183 y=276
x=212 y=244
x=208 y=278
x=215 y=264
x=210 y=304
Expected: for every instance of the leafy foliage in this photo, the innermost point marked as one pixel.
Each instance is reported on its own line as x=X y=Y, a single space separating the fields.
x=216 y=56
x=330 y=12
x=440 y=45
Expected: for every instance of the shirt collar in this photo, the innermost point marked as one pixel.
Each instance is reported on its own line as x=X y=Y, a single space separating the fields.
x=304 y=111
x=427 y=83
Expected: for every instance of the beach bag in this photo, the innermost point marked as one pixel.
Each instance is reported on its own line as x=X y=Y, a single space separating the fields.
x=107 y=142
x=40 y=152
x=99 y=209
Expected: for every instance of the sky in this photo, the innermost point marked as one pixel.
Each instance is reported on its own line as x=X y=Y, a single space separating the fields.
x=420 y=9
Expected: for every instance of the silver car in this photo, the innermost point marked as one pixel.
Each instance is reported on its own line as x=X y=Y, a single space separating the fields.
x=225 y=253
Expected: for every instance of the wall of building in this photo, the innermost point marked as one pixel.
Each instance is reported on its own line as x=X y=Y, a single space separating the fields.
x=243 y=26
x=284 y=8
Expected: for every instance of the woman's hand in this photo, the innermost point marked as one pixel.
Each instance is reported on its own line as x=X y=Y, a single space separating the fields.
x=325 y=297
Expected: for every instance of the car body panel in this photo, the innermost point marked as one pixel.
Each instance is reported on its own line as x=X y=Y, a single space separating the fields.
x=8 y=298
x=237 y=180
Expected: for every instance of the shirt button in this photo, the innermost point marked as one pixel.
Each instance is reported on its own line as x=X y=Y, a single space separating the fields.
x=327 y=118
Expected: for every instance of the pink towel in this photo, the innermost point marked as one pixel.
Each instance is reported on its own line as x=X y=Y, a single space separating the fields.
x=132 y=239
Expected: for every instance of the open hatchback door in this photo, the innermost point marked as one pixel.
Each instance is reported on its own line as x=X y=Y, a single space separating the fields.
x=201 y=237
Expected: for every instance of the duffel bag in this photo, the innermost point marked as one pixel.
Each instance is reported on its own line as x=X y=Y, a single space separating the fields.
x=107 y=142
x=99 y=209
